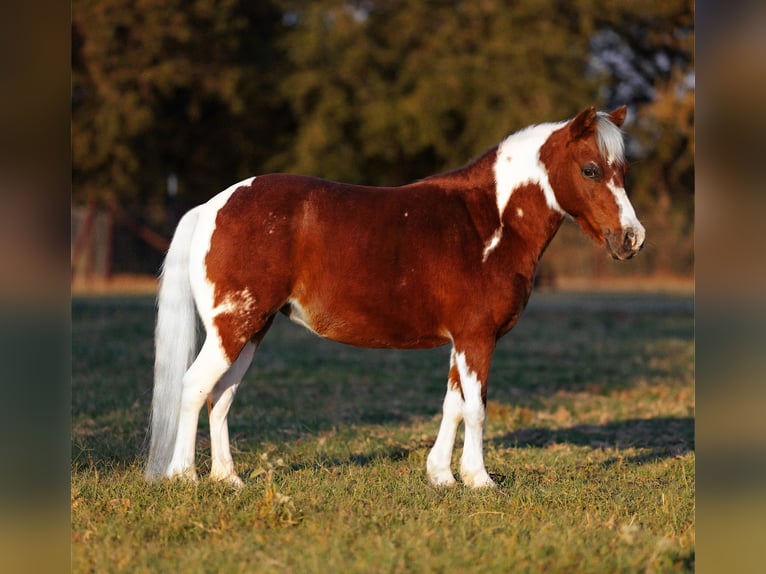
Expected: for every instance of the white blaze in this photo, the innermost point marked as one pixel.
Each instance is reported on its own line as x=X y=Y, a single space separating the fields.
x=627 y=213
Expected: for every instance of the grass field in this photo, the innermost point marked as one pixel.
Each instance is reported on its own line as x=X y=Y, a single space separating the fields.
x=590 y=436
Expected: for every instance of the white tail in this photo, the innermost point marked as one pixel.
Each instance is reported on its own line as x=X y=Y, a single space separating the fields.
x=175 y=341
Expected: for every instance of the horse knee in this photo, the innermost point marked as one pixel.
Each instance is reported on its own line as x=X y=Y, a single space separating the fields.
x=474 y=413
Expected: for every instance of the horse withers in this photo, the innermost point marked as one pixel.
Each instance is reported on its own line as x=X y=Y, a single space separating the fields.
x=449 y=259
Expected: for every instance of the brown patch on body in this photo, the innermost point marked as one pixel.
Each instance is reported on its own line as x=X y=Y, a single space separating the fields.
x=248 y=262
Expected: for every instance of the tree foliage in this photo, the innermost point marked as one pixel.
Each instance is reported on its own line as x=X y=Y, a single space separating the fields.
x=160 y=87
x=372 y=91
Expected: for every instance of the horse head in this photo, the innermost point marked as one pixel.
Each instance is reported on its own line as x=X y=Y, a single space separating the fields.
x=586 y=167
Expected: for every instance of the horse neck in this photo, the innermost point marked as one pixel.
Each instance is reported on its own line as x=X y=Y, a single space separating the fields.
x=526 y=224
x=530 y=221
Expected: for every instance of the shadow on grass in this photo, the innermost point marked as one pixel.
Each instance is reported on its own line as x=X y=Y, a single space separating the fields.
x=392 y=453
x=659 y=437
x=664 y=437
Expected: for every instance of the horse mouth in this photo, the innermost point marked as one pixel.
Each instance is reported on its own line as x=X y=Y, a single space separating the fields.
x=622 y=256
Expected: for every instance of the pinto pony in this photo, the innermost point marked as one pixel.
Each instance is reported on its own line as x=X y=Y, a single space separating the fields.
x=448 y=259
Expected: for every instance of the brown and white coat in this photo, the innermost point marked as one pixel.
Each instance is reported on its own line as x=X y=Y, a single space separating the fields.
x=449 y=259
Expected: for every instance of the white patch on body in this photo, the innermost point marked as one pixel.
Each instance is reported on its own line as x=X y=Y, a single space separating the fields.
x=236 y=302
x=518 y=163
x=519 y=212
x=493 y=242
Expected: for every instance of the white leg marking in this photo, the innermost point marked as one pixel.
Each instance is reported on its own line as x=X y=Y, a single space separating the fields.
x=438 y=465
x=222 y=397
x=472 y=469
x=209 y=366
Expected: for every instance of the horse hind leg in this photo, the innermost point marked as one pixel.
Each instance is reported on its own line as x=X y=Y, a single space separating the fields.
x=219 y=402
x=199 y=381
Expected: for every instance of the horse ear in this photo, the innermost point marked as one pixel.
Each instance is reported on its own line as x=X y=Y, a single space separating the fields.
x=583 y=124
x=617 y=116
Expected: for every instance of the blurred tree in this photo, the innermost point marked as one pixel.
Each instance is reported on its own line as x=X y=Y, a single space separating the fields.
x=389 y=91
x=166 y=86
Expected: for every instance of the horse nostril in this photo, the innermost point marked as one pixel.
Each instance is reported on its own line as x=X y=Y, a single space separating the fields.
x=630 y=239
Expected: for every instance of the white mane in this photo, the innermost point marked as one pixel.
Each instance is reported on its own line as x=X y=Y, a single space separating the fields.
x=610 y=140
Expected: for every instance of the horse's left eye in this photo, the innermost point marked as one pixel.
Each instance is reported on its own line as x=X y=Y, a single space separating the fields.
x=591 y=171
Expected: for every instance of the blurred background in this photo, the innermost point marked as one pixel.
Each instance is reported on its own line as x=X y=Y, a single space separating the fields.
x=108 y=108
x=174 y=101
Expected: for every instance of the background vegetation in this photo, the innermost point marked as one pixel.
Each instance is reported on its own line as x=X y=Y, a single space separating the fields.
x=590 y=436
x=373 y=91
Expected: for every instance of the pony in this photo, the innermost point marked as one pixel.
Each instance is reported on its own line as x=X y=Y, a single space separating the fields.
x=449 y=259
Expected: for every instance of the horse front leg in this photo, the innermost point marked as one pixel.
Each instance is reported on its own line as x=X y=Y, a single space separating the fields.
x=465 y=401
x=438 y=465
x=473 y=368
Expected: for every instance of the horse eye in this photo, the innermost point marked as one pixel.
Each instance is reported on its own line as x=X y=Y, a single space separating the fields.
x=591 y=171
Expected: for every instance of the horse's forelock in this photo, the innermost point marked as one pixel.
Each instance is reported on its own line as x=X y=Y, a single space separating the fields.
x=610 y=141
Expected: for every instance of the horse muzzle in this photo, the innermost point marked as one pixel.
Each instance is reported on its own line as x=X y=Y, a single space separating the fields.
x=626 y=243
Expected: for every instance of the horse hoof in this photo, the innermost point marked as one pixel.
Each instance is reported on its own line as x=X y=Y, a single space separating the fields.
x=478 y=480
x=441 y=479
x=231 y=479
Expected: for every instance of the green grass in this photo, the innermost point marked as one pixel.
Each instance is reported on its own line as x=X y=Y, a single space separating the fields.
x=590 y=435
